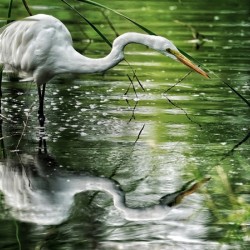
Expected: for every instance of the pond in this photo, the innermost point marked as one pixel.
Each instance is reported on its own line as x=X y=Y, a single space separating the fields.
x=94 y=178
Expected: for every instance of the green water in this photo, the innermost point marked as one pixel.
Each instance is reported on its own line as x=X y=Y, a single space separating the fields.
x=197 y=128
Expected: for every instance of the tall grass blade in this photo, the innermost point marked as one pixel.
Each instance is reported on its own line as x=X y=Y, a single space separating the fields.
x=118 y=13
x=91 y=24
x=27 y=7
x=9 y=11
x=237 y=93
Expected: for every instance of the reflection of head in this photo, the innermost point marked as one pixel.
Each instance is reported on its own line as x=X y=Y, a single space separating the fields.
x=41 y=195
x=36 y=191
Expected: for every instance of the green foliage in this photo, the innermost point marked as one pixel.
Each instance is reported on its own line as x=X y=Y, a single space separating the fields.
x=118 y=13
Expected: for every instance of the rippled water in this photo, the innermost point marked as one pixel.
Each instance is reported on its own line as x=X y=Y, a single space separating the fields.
x=62 y=197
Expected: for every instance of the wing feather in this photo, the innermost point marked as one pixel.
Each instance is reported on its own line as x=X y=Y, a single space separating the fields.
x=29 y=45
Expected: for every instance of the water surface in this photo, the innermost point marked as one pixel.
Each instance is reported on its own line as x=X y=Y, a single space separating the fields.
x=195 y=129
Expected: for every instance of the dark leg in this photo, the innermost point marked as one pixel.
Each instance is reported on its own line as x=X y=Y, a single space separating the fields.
x=41 y=118
x=42 y=145
x=41 y=93
x=2 y=153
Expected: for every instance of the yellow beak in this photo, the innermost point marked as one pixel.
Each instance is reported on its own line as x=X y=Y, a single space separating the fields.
x=188 y=63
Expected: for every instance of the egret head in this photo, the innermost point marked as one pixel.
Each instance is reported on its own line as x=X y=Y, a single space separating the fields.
x=167 y=48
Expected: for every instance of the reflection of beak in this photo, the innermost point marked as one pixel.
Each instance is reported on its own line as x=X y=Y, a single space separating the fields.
x=188 y=63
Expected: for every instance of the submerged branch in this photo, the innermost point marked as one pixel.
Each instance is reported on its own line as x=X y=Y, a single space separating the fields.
x=138 y=136
x=133 y=112
x=134 y=89
x=186 y=114
x=133 y=86
x=236 y=146
x=179 y=81
x=175 y=105
x=135 y=76
x=25 y=124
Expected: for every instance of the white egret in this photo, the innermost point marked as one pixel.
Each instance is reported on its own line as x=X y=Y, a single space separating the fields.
x=41 y=47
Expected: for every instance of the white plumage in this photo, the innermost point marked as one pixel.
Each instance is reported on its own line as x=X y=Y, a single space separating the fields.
x=35 y=45
x=41 y=46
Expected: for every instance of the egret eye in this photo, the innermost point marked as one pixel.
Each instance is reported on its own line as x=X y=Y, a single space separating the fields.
x=168 y=50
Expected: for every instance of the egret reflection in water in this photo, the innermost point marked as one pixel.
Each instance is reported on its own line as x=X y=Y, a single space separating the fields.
x=36 y=190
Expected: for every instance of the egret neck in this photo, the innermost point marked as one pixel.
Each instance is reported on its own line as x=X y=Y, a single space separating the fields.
x=74 y=62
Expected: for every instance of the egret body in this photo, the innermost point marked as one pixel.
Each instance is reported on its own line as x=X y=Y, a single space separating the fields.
x=41 y=47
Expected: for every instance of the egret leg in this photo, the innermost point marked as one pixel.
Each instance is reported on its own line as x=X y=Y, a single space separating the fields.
x=41 y=93
x=42 y=145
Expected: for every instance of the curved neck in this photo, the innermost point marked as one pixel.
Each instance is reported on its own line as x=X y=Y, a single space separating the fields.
x=81 y=64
